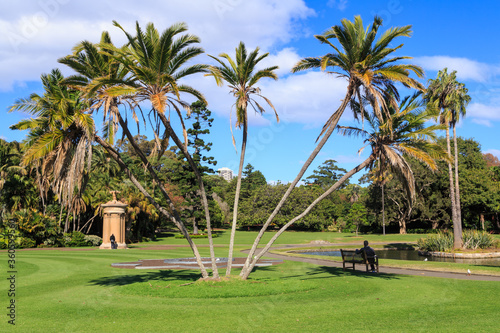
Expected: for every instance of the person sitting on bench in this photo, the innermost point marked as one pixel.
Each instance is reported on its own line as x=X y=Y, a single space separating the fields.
x=370 y=254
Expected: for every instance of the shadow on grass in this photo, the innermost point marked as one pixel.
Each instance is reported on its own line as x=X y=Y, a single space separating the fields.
x=163 y=275
x=165 y=235
x=336 y=271
x=400 y=246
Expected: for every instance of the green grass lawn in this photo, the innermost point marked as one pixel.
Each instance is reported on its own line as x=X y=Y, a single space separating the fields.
x=78 y=291
x=290 y=237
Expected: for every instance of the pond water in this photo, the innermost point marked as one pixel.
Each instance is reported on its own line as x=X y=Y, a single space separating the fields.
x=413 y=255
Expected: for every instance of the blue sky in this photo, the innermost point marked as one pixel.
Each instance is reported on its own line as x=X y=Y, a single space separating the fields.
x=460 y=35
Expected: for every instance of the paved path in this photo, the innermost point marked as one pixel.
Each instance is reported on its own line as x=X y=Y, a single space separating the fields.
x=382 y=269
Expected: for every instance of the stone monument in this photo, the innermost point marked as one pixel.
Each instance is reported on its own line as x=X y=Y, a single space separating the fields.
x=113 y=223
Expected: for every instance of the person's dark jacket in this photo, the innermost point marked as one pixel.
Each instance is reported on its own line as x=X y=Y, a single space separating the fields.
x=368 y=250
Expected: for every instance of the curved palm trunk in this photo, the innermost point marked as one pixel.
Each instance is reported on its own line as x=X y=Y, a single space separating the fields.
x=305 y=212
x=183 y=148
x=383 y=210
x=335 y=119
x=457 y=234
x=457 y=186
x=237 y=197
x=174 y=218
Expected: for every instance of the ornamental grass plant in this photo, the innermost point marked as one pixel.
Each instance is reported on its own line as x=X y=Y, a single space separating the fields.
x=443 y=241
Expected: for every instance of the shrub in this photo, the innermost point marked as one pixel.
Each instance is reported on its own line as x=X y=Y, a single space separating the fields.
x=474 y=239
x=27 y=243
x=75 y=239
x=93 y=240
x=443 y=241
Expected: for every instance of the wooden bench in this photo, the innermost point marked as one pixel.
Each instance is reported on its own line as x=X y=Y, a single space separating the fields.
x=351 y=257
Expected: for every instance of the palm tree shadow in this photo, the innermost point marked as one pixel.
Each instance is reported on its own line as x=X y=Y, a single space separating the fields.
x=162 y=275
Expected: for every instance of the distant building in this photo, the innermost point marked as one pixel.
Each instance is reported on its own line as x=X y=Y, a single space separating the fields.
x=226 y=173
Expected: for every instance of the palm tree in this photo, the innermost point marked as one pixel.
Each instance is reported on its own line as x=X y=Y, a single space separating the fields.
x=450 y=97
x=396 y=135
x=156 y=64
x=60 y=139
x=364 y=62
x=15 y=179
x=99 y=77
x=380 y=176
x=461 y=100
x=242 y=76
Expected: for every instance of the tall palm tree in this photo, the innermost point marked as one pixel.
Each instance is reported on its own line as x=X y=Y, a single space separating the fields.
x=365 y=63
x=99 y=77
x=242 y=76
x=400 y=132
x=60 y=139
x=461 y=100
x=450 y=97
x=156 y=63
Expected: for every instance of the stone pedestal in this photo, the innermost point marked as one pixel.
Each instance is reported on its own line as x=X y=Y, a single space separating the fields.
x=113 y=224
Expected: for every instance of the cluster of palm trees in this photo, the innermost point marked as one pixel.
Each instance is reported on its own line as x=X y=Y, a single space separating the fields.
x=450 y=97
x=147 y=70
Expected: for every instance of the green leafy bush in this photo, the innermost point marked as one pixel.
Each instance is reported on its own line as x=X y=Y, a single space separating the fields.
x=27 y=243
x=75 y=239
x=93 y=240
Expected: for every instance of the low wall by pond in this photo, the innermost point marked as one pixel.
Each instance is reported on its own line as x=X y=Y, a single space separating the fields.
x=460 y=255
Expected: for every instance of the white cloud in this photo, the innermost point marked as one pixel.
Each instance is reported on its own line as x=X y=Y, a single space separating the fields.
x=482 y=112
x=308 y=98
x=466 y=69
x=354 y=159
x=495 y=152
x=36 y=33
x=483 y=122
x=284 y=59
x=339 y=4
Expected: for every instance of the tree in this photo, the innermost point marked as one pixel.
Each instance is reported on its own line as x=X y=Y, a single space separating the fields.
x=357 y=216
x=251 y=181
x=491 y=160
x=242 y=77
x=380 y=176
x=326 y=175
x=399 y=133
x=60 y=140
x=450 y=97
x=184 y=177
x=17 y=188
x=364 y=62
x=146 y=69
x=157 y=62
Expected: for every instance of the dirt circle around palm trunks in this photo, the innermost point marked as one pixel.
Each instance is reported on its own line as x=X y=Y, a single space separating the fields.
x=190 y=263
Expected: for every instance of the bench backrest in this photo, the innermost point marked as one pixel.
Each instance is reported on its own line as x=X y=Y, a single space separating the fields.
x=352 y=255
